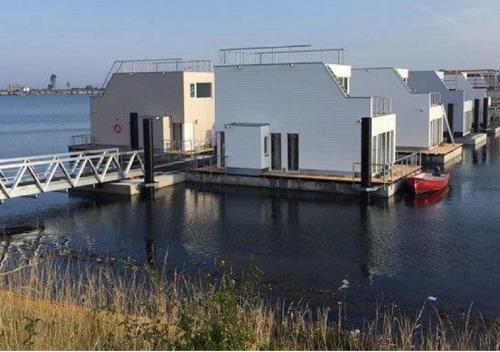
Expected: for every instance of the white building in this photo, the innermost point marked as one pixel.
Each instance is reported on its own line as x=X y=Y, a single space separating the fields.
x=456 y=94
x=419 y=115
x=179 y=93
x=278 y=111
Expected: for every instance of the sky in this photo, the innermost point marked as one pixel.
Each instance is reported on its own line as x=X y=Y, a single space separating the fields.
x=79 y=40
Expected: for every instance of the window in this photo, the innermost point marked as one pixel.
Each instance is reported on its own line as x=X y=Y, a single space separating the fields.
x=266 y=147
x=203 y=90
x=192 y=91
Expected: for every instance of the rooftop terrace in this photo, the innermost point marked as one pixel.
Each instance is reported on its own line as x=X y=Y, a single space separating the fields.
x=157 y=65
x=281 y=54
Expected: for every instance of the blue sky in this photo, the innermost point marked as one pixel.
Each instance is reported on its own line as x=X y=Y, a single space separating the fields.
x=78 y=40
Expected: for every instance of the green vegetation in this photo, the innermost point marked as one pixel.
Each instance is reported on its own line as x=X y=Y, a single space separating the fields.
x=72 y=304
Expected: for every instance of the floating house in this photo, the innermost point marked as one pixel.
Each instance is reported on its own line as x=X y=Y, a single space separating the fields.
x=460 y=99
x=420 y=116
x=289 y=109
x=177 y=93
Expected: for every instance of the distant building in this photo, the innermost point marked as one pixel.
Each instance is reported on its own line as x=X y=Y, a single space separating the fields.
x=419 y=115
x=462 y=102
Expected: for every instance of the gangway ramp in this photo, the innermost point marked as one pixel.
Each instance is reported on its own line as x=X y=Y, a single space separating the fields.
x=30 y=176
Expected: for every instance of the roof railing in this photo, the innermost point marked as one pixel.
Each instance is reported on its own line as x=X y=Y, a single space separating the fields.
x=281 y=54
x=381 y=106
x=157 y=65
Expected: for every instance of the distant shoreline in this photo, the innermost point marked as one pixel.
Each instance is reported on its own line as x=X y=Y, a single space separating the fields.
x=55 y=92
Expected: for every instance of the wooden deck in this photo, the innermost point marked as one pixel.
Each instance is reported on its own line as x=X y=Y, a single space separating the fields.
x=398 y=172
x=443 y=149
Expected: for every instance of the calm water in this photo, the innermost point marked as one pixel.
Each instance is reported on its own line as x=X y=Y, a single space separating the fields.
x=306 y=243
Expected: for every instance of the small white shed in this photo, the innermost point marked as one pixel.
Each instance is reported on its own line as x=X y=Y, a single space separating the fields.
x=246 y=148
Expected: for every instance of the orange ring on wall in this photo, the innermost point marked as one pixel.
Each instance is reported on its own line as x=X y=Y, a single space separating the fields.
x=117 y=128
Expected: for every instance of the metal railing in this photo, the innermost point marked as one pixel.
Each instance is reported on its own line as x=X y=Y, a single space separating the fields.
x=186 y=146
x=386 y=171
x=157 y=65
x=281 y=54
x=410 y=160
x=29 y=176
x=378 y=170
x=82 y=139
x=435 y=99
x=381 y=106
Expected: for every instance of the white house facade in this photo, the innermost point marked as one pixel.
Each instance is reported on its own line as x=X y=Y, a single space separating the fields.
x=419 y=115
x=178 y=94
x=458 y=105
x=296 y=116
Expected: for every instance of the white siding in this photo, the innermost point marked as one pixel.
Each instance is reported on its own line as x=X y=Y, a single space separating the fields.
x=151 y=94
x=245 y=147
x=299 y=98
x=432 y=81
x=412 y=110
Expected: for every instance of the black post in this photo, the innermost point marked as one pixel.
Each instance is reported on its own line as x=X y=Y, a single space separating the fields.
x=148 y=187
x=134 y=131
x=366 y=152
x=476 y=116
x=485 y=113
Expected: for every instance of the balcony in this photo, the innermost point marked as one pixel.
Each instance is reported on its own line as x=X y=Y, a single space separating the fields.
x=381 y=106
x=435 y=99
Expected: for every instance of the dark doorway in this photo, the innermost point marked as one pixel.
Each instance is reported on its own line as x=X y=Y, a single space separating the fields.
x=276 y=151
x=450 y=117
x=293 y=152
x=476 y=125
x=134 y=131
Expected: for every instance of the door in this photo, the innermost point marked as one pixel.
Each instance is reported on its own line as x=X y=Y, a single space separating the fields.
x=134 y=131
x=176 y=142
x=276 y=151
x=293 y=152
x=222 y=149
x=450 y=117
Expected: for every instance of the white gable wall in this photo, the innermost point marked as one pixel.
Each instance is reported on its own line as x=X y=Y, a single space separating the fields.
x=299 y=98
x=413 y=110
x=432 y=81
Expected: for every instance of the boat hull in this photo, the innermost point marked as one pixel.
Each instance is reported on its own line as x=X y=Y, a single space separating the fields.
x=426 y=183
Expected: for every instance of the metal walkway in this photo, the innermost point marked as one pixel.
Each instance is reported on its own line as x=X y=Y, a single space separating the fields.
x=30 y=176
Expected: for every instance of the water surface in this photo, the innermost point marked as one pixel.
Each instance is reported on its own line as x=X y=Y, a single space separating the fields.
x=402 y=249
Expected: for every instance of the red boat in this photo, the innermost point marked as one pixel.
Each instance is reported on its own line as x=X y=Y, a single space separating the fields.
x=426 y=182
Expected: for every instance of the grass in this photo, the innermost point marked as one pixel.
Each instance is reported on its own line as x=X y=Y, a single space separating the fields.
x=59 y=304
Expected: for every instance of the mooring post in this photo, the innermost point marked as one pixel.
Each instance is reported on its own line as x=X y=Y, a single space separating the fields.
x=476 y=126
x=148 y=187
x=366 y=152
x=485 y=113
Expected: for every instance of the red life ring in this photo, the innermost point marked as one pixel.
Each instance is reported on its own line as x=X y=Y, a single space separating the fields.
x=117 y=128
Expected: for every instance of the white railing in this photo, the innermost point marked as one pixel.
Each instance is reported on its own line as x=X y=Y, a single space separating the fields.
x=157 y=65
x=381 y=106
x=29 y=176
x=435 y=99
x=82 y=139
x=281 y=54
